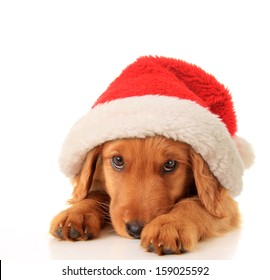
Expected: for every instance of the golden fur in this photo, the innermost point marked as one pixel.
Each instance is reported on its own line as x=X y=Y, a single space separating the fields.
x=169 y=211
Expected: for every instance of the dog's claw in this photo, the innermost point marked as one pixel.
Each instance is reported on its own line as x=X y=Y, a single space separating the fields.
x=151 y=248
x=166 y=251
x=182 y=250
x=88 y=236
x=59 y=232
x=163 y=250
x=73 y=233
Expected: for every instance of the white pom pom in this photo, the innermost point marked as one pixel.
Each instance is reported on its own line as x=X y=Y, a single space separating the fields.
x=245 y=150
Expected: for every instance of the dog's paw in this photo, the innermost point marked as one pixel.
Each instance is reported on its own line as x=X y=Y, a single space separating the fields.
x=166 y=235
x=74 y=225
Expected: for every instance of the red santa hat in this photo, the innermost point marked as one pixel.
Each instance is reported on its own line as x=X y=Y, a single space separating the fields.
x=171 y=98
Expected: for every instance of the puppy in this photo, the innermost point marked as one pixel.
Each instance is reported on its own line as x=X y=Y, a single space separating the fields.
x=154 y=189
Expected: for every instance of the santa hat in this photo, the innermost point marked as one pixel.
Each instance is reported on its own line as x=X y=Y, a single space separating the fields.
x=171 y=98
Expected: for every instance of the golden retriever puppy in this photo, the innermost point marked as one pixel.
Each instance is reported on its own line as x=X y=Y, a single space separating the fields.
x=157 y=155
x=155 y=189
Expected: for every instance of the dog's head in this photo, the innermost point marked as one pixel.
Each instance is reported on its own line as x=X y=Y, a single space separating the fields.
x=145 y=178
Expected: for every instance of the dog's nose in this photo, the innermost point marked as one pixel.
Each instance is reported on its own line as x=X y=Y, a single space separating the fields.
x=134 y=229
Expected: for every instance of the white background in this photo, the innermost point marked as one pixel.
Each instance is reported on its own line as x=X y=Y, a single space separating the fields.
x=57 y=57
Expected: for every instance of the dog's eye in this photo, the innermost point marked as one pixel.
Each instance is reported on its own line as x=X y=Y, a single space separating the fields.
x=118 y=162
x=169 y=166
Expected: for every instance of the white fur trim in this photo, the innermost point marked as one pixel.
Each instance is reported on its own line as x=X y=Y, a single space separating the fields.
x=245 y=150
x=152 y=115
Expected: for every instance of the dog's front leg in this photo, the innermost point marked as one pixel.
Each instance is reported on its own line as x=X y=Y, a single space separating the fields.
x=189 y=222
x=83 y=220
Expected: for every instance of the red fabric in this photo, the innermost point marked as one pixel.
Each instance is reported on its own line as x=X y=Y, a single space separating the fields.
x=172 y=77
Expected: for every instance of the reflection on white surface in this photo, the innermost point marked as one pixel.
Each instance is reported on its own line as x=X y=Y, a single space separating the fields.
x=110 y=246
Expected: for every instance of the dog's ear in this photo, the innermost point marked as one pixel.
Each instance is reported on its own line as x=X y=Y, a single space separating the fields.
x=83 y=180
x=210 y=191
